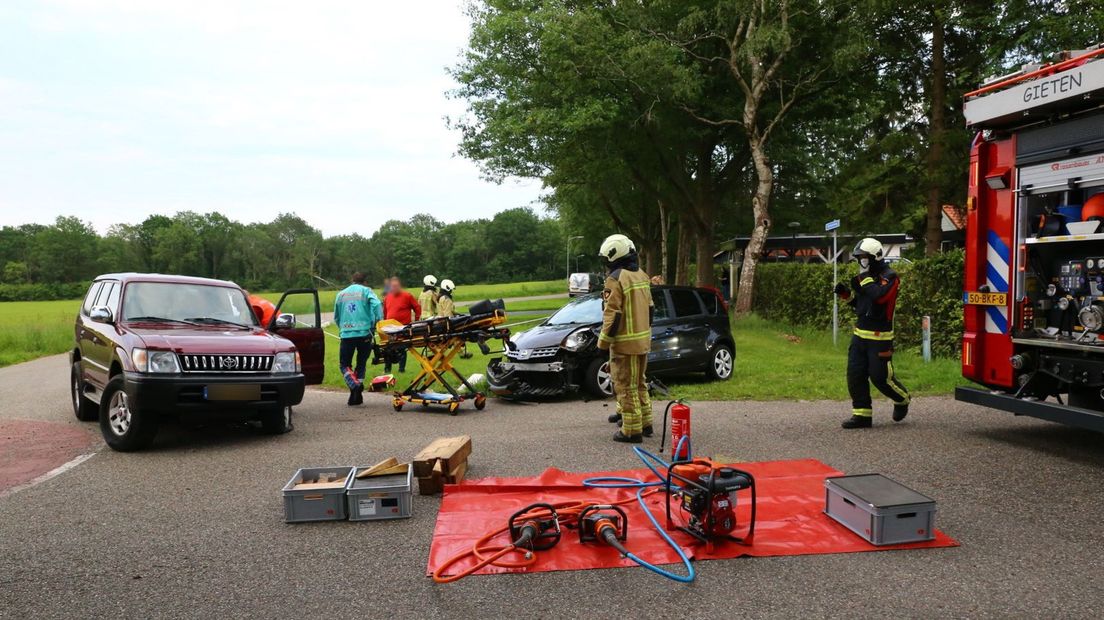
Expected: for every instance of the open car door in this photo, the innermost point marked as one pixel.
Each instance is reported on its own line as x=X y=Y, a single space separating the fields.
x=298 y=318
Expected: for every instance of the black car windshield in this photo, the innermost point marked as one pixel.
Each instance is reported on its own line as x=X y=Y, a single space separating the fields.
x=581 y=311
x=180 y=302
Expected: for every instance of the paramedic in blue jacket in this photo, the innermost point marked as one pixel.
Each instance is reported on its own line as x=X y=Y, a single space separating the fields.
x=356 y=312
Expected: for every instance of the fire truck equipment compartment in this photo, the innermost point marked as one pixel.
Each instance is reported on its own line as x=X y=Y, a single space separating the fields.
x=316 y=494
x=881 y=510
x=380 y=497
x=791 y=519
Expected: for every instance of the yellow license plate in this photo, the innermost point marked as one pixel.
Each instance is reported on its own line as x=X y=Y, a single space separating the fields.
x=987 y=299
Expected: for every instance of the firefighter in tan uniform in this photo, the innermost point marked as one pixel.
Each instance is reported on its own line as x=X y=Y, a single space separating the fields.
x=445 y=306
x=627 y=335
x=428 y=299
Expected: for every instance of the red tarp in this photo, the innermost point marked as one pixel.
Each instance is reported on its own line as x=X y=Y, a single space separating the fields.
x=790 y=519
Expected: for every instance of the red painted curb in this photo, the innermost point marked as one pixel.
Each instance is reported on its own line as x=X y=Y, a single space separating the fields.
x=31 y=448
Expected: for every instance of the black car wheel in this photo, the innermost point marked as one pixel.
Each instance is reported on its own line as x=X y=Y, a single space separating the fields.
x=277 y=421
x=84 y=409
x=721 y=363
x=598 y=380
x=124 y=428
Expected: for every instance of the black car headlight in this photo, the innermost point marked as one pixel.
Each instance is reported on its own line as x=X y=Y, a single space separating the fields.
x=577 y=340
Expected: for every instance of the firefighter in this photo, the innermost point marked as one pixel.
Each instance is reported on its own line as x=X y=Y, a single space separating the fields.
x=445 y=306
x=356 y=312
x=428 y=298
x=627 y=335
x=873 y=295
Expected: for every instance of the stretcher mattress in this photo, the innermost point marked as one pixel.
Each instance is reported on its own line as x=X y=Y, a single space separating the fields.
x=790 y=521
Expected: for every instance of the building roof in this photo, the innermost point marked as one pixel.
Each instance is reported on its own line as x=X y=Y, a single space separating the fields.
x=957 y=216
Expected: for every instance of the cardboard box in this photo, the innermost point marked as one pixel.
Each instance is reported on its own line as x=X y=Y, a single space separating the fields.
x=451 y=451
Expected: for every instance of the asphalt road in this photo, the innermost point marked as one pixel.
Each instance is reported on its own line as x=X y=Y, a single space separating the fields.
x=194 y=527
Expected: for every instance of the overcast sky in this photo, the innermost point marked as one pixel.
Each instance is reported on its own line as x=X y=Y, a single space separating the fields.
x=115 y=109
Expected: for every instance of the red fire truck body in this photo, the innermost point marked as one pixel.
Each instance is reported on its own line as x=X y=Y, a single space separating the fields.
x=1034 y=281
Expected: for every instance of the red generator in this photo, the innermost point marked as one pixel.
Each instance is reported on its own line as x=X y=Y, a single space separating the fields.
x=1034 y=281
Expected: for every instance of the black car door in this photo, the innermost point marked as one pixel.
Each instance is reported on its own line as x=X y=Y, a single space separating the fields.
x=689 y=327
x=664 y=344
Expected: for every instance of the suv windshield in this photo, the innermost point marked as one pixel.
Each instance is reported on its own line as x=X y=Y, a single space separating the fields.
x=186 y=303
x=583 y=310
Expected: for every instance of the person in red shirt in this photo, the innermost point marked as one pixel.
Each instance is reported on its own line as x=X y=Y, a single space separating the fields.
x=403 y=307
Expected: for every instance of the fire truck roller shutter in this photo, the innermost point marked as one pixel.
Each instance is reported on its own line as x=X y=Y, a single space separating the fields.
x=998 y=258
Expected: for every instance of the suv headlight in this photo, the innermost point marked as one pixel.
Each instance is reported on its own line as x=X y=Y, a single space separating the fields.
x=577 y=340
x=155 y=362
x=286 y=363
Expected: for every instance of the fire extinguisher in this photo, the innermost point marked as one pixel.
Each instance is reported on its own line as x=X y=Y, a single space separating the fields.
x=680 y=427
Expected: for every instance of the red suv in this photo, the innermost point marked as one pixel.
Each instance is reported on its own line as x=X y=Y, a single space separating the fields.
x=150 y=346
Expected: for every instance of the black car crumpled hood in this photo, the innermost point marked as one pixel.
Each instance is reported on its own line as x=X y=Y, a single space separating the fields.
x=543 y=336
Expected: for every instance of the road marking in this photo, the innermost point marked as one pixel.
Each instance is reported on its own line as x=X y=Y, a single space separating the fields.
x=53 y=473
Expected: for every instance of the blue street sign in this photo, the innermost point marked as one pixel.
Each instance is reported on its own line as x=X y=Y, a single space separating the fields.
x=834 y=224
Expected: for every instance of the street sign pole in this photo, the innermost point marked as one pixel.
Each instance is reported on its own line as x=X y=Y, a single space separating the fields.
x=833 y=226
x=835 y=298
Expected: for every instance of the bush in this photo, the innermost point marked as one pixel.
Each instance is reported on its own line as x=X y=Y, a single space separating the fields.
x=800 y=293
x=42 y=292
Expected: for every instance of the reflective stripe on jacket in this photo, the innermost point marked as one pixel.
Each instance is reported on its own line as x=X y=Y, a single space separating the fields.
x=626 y=313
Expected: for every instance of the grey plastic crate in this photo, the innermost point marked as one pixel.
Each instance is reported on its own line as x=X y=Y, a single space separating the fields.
x=879 y=509
x=380 y=497
x=316 y=504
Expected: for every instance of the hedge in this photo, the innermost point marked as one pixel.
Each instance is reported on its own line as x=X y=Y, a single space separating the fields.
x=42 y=292
x=801 y=293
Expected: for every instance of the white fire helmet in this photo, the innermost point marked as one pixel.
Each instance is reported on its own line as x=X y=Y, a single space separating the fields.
x=616 y=247
x=430 y=280
x=869 y=247
x=447 y=286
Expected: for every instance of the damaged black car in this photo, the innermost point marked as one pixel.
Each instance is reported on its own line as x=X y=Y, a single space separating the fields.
x=690 y=333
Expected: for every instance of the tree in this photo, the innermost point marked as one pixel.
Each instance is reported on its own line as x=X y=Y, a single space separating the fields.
x=777 y=52
x=65 y=251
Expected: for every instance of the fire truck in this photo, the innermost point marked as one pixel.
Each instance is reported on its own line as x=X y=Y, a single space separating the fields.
x=1034 y=280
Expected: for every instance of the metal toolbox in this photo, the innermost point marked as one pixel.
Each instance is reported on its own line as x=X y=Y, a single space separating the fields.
x=879 y=509
x=380 y=497
x=316 y=501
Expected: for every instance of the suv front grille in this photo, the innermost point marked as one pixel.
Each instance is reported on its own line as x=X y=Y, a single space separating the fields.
x=532 y=354
x=226 y=363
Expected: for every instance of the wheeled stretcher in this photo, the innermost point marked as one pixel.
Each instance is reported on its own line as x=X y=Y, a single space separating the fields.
x=434 y=343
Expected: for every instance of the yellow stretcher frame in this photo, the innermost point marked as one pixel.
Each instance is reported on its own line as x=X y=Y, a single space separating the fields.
x=434 y=354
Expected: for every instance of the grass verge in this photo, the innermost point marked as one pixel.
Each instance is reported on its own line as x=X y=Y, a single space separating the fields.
x=780 y=362
x=32 y=329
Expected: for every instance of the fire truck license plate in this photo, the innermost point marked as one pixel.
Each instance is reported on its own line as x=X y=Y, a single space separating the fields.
x=986 y=299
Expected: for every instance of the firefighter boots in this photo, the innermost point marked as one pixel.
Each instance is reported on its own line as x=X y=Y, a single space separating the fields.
x=858 y=421
x=614 y=418
x=618 y=436
x=648 y=431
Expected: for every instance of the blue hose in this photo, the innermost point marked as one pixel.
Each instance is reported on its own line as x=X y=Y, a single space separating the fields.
x=619 y=482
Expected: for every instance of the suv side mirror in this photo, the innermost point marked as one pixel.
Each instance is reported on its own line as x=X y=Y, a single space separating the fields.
x=285 y=321
x=101 y=314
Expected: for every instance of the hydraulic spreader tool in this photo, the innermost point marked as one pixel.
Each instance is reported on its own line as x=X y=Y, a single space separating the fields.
x=434 y=343
x=704 y=493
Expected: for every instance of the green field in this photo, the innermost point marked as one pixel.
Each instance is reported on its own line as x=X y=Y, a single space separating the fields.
x=475 y=292
x=778 y=362
x=30 y=329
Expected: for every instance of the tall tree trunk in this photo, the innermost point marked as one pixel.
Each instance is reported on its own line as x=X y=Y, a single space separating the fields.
x=664 y=229
x=760 y=208
x=682 y=254
x=938 y=100
x=704 y=256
